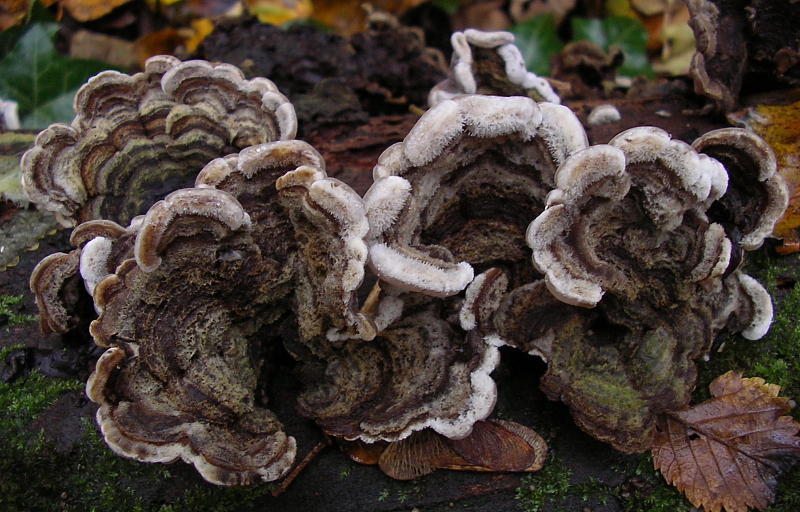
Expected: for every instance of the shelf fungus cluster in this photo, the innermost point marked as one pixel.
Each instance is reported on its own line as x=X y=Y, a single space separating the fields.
x=489 y=63
x=492 y=223
x=192 y=298
x=136 y=138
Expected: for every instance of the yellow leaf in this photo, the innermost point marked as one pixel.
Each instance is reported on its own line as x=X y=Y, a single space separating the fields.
x=200 y=29
x=777 y=123
x=277 y=12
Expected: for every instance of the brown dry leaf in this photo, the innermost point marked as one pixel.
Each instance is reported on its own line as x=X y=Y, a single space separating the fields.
x=12 y=12
x=162 y=42
x=95 y=46
x=728 y=451
x=486 y=15
x=777 y=121
x=348 y=17
x=88 y=10
x=494 y=445
x=522 y=10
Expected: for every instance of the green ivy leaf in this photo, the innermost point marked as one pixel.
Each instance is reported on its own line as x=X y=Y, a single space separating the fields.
x=57 y=110
x=37 y=13
x=536 y=38
x=34 y=75
x=448 y=6
x=626 y=33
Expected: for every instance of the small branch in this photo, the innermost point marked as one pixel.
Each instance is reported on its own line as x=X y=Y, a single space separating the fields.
x=303 y=463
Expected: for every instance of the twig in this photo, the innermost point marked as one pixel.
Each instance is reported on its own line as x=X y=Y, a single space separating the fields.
x=303 y=463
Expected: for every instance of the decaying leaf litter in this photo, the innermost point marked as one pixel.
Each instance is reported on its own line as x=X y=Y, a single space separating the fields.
x=601 y=90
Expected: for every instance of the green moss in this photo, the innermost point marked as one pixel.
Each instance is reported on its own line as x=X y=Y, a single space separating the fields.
x=25 y=399
x=209 y=498
x=647 y=491
x=549 y=484
x=8 y=314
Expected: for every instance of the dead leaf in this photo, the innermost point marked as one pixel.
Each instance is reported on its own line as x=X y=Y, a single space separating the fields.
x=522 y=10
x=494 y=445
x=728 y=451
x=88 y=10
x=502 y=446
x=162 y=42
x=488 y=15
x=12 y=12
x=776 y=121
x=104 y=48
x=200 y=29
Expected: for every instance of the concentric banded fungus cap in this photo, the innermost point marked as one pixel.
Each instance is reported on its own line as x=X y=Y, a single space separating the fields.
x=489 y=63
x=757 y=196
x=461 y=188
x=186 y=322
x=418 y=373
x=216 y=272
x=63 y=283
x=137 y=137
x=458 y=192
x=626 y=233
x=629 y=218
x=312 y=225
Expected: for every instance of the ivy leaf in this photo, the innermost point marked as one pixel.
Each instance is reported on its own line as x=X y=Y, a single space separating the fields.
x=728 y=451
x=536 y=38
x=33 y=74
x=57 y=110
x=626 y=33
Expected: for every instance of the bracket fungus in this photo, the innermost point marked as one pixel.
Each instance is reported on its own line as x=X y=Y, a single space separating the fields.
x=492 y=223
x=630 y=232
x=455 y=195
x=193 y=294
x=489 y=63
x=440 y=204
x=740 y=38
x=136 y=138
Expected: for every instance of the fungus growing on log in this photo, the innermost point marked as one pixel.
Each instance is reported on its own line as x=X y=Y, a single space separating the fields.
x=454 y=196
x=462 y=187
x=489 y=63
x=740 y=38
x=193 y=294
x=629 y=232
x=180 y=321
x=136 y=138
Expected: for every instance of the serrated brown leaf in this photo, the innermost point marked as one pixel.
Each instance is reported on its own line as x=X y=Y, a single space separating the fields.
x=728 y=451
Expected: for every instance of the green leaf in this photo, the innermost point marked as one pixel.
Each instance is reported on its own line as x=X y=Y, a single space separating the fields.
x=57 y=110
x=590 y=30
x=448 y=6
x=36 y=13
x=536 y=38
x=626 y=33
x=34 y=74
